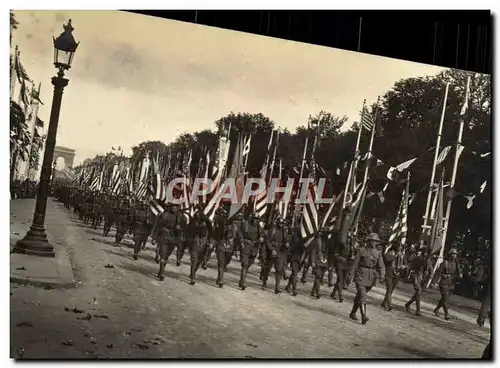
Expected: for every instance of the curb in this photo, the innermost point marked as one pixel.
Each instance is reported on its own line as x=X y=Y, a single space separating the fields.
x=40 y=283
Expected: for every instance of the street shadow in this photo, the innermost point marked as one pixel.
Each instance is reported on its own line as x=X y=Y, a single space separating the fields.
x=322 y=310
x=459 y=326
x=422 y=354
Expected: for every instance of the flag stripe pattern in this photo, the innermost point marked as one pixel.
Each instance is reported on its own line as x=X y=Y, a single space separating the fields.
x=400 y=227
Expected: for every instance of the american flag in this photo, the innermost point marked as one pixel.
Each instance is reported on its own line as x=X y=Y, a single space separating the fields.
x=309 y=222
x=400 y=227
x=367 y=119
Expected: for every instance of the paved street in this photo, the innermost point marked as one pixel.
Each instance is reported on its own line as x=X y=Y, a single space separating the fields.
x=124 y=312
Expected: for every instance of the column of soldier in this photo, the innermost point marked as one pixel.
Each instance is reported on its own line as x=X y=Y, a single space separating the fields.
x=277 y=246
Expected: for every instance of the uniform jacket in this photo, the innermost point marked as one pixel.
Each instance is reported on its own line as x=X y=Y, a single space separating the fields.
x=393 y=262
x=276 y=241
x=320 y=251
x=169 y=227
x=447 y=274
x=297 y=248
x=365 y=266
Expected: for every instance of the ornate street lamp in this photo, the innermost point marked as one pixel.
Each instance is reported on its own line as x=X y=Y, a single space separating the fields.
x=35 y=242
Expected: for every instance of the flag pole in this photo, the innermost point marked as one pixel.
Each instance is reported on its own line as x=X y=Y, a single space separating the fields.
x=458 y=151
x=425 y=225
x=297 y=206
x=367 y=167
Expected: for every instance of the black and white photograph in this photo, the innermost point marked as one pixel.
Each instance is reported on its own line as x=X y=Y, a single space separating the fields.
x=181 y=191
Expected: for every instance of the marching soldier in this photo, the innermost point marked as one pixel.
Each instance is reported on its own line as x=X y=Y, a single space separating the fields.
x=417 y=273
x=252 y=239
x=197 y=236
x=122 y=216
x=319 y=258
x=295 y=252
x=485 y=311
x=447 y=274
x=367 y=261
x=168 y=231
x=183 y=242
x=393 y=261
x=225 y=234
x=277 y=244
x=109 y=216
x=343 y=255
x=142 y=227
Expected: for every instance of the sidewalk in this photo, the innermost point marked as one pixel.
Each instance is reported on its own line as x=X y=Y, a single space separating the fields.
x=40 y=271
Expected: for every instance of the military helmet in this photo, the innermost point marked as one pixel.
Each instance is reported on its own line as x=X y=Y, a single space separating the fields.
x=452 y=251
x=373 y=237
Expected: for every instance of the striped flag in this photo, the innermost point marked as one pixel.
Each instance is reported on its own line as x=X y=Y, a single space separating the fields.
x=309 y=222
x=400 y=227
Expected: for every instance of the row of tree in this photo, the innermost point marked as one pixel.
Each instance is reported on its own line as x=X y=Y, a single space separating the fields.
x=410 y=115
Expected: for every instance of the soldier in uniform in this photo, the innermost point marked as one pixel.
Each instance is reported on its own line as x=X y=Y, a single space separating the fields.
x=319 y=258
x=252 y=239
x=142 y=227
x=122 y=215
x=417 y=266
x=447 y=274
x=295 y=252
x=485 y=311
x=306 y=264
x=277 y=244
x=197 y=236
x=367 y=261
x=393 y=261
x=183 y=242
x=343 y=253
x=168 y=231
x=226 y=234
x=109 y=216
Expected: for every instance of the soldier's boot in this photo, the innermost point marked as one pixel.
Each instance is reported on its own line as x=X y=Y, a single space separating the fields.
x=446 y=315
x=265 y=276
x=316 y=288
x=354 y=310
x=384 y=304
x=180 y=253
x=163 y=263
x=364 y=317
x=333 y=295
x=220 y=276
x=243 y=278
x=157 y=253
x=330 y=277
x=289 y=285
x=341 y=296
x=303 y=279
x=137 y=248
x=192 y=274
x=277 y=281
x=389 y=302
x=436 y=310
x=409 y=303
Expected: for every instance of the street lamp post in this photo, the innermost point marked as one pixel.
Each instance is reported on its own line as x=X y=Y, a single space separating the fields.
x=35 y=242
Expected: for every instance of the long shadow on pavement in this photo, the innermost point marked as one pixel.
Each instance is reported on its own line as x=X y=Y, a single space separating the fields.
x=422 y=354
x=323 y=310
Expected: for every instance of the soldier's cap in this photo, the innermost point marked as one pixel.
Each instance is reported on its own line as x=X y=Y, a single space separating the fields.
x=373 y=237
x=453 y=251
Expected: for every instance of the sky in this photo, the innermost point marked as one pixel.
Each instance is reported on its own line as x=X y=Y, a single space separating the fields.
x=136 y=78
